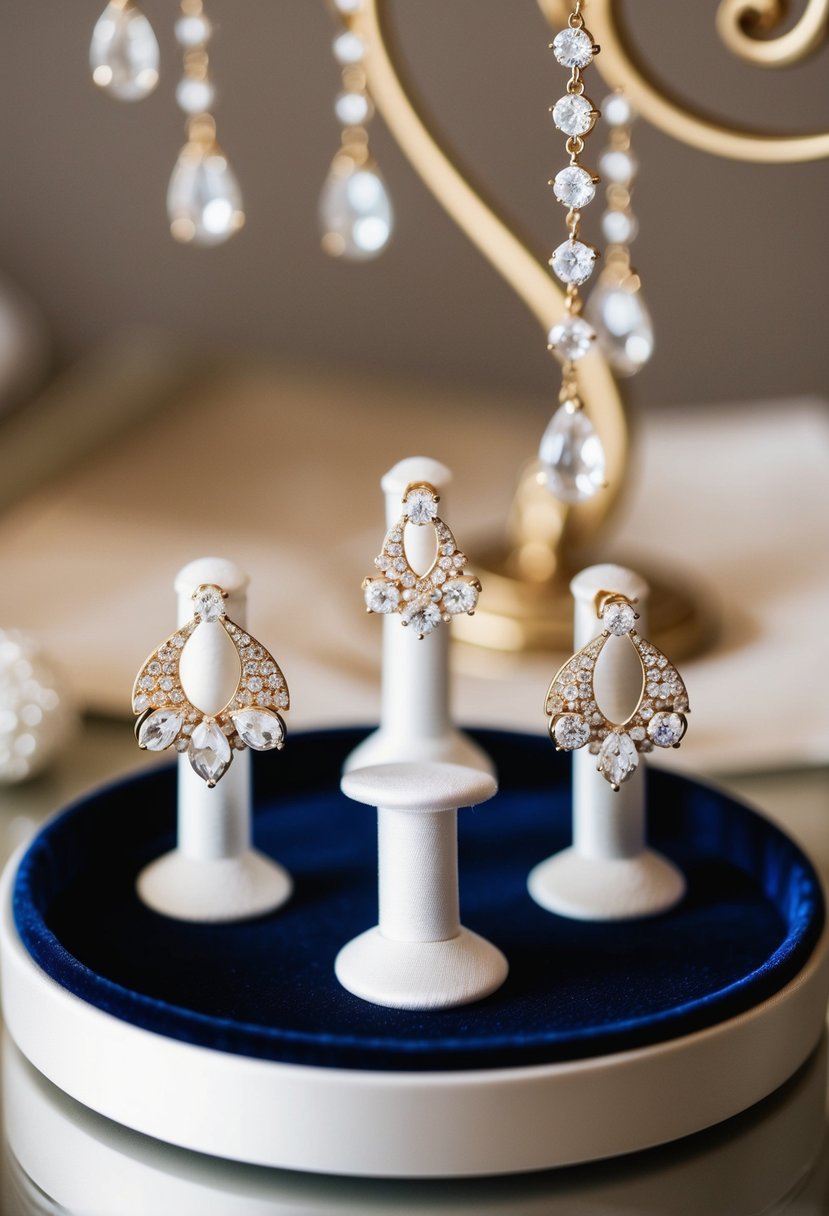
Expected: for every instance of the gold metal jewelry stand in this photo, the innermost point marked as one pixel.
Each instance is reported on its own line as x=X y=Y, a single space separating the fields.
x=527 y=604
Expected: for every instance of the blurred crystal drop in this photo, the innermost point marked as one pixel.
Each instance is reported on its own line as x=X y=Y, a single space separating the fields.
x=36 y=715
x=356 y=214
x=204 y=202
x=623 y=325
x=572 y=457
x=124 y=52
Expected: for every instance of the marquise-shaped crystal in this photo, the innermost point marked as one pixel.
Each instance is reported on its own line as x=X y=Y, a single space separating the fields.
x=572 y=456
x=209 y=751
x=123 y=54
x=618 y=758
x=356 y=215
x=259 y=728
x=623 y=325
x=159 y=729
x=204 y=202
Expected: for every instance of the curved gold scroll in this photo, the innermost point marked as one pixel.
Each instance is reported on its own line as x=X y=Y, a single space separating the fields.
x=621 y=68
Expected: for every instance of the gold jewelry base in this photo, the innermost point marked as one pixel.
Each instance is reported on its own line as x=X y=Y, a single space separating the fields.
x=516 y=614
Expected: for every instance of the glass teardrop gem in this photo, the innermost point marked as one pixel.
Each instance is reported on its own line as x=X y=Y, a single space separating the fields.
x=623 y=325
x=572 y=457
x=123 y=54
x=204 y=202
x=259 y=728
x=209 y=751
x=159 y=730
x=356 y=215
x=618 y=758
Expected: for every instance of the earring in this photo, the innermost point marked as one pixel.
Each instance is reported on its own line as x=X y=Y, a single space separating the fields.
x=204 y=202
x=571 y=454
x=249 y=719
x=616 y=307
x=423 y=600
x=123 y=54
x=576 y=719
x=355 y=210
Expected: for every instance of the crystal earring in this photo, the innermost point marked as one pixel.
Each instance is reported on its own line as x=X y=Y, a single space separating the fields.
x=423 y=600
x=355 y=211
x=123 y=54
x=204 y=202
x=616 y=307
x=571 y=454
x=576 y=719
x=251 y=717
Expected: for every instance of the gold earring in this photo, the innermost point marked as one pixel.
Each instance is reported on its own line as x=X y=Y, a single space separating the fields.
x=249 y=719
x=423 y=600
x=576 y=719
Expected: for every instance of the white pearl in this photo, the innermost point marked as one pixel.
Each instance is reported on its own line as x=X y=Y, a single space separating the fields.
x=352 y=108
x=348 y=48
x=195 y=96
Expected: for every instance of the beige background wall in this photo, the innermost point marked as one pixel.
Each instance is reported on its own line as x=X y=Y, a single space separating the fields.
x=734 y=256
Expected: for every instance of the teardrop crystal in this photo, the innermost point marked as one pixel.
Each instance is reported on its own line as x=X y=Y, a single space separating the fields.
x=209 y=751
x=204 y=202
x=571 y=454
x=618 y=758
x=259 y=728
x=159 y=730
x=623 y=325
x=123 y=54
x=356 y=215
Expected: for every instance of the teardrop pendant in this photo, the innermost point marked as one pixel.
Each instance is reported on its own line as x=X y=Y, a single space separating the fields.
x=124 y=54
x=356 y=215
x=623 y=326
x=571 y=455
x=204 y=202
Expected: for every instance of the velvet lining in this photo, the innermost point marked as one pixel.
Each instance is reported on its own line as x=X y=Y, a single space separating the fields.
x=266 y=988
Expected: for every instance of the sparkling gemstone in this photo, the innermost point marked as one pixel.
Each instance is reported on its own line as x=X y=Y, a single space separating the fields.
x=421 y=506
x=159 y=729
x=574 y=187
x=348 y=48
x=209 y=603
x=259 y=728
x=572 y=261
x=195 y=96
x=255 y=683
x=571 y=732
x=192 y=32
x=571 y=455
x=209 y=751
x=619 y=618
x=179 y=641
x=619 y=227
x=666 y=729
x=352 y=109
x=166 y=684
x=573 y=48
x=154 y=669
x=571 y=339
x=573 y=114
x=459 y=596
x=570 y=692
x=617 y=110
x=438 y=576
x=422 y=616
x=623 y=326
x=204 y=203
x=381 y=595
x=356 y=214
x=617 y=166
x=146 y=682
x=140 y=702
x=618 y=758
x=124 y=53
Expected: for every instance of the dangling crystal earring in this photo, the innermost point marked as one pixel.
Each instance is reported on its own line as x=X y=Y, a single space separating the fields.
x=616 y=307
x=123 y=54
x=204 y=202
x=355 y=210
x=571 y=454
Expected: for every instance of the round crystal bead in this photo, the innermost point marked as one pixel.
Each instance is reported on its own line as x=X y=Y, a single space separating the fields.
x=619 y=618
x=571 y=732
x=381 y=595
x=193 y=31
x=459 y=596
x=573 y=48
x=573 y=114
x=574 y=187
x=666 y=729
x=617 y=166
x=423 y=617
x=195 y=96
x=421 y=507
x=572 y=262
x=352 y=108
x=348 y=48
x=619 y=227
x=571 y=339
x=617 y=110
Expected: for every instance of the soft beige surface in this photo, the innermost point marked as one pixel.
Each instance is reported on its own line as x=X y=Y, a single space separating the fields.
x=279 y=471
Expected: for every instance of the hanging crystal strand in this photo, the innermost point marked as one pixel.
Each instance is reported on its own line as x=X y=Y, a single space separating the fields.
x=571 y=455
x=616 y=306
x=204 y=202
x=355 y=210
x=123 y=54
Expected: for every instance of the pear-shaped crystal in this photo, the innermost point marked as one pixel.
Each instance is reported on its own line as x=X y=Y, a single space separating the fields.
x=123 y=54
x=159 y=730
x=571 y=455
x=259 y=728
x=623 y=325
x=204 y=202
x=618 y=758
x=209 y=751
x=356 y=214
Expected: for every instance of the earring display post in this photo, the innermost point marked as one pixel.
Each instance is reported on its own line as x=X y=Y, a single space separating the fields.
x=608 y=873
x=213 y=874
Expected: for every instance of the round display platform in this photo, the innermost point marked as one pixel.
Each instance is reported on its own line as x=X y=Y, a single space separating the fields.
x=238 y=1041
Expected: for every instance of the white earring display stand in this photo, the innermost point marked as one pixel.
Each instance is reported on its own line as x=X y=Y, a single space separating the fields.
x=415 y=722
x=608 y=873
x=419 y=956
x=213 y=874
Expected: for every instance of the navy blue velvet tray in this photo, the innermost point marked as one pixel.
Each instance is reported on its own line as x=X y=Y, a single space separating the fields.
x=266 y=988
